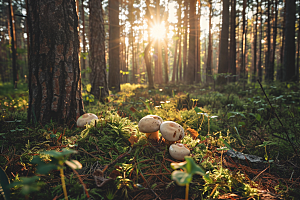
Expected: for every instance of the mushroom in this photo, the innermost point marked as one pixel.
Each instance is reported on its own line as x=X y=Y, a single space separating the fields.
x=150 y=125
x=178 y=151
x=85 y=119
x=171 y=131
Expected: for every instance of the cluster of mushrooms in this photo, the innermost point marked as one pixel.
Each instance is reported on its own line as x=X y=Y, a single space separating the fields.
x=170 y=131
x=151 y=125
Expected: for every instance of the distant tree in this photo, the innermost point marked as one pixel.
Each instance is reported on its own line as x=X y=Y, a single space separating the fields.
x=83 y=63
x=254 y=44
x=185 y=32
x=289 y=72
x=147 y=49
x=223 y=56
x=232 y=57
x=13 y=43
x=97 y=50
x=273 y=47
x=54 y=72
x=114 y=46
x=209 y=49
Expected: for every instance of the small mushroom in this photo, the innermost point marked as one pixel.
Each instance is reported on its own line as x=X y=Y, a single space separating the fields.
x=85 y=119
x=178 y=151
x=171 y=131
x=150 y=125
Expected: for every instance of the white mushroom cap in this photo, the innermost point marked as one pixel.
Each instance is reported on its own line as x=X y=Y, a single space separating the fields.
x=85 y=119
x=150 y=123
x=178 y=151
x=171 y=131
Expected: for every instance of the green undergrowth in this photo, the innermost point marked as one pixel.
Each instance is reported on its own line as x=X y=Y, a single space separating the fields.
x=118 y=162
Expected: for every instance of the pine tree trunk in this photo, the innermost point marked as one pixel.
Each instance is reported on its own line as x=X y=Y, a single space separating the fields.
x=185 y=40
x=97 y=51
x=232 y=57
x=192 y=40
x=272 y=52
x=209 y=49
x=83 y=58
x=223 y=56
x=260 y=46
x=254 y=62
x=54 y=72
x=279 y=76
x=13 y=44
x=289 y=69
x=114 y=46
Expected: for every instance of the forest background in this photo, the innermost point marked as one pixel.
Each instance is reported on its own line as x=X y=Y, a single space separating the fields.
x=64 y=58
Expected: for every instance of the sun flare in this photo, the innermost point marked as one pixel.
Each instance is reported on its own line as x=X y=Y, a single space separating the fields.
x=158 y=31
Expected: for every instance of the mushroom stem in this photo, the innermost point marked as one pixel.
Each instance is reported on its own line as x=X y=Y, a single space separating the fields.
x=152 y=136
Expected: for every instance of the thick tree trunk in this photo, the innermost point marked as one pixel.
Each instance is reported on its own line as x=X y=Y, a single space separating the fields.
x=289 y=72
x=54 y=73
x=223 y=56
x=198 y=73
x=260 y=46
x=114 y=46
x=232 y=57
x=97 y=51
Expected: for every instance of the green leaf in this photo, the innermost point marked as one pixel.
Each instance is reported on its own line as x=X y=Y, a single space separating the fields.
x=226 y=144
x=197 y=109
x=181 y=178
x=46 y=168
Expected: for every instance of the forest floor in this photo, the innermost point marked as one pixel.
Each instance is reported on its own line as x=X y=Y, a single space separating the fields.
x=244 y=143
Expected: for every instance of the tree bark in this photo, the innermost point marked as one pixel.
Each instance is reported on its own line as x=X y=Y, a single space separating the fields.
x=223 y=56
x=273 y=49
x=54 y=72
x=83 y=58
x=148 y=66
x=97 y=51
x=232 y=57
x=209 y=49
x=114 y=46
x=254 y=62
x=185 y=40
x=289 y=72
x=13 y=44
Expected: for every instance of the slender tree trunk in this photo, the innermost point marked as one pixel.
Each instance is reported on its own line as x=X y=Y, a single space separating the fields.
x=289 y=72
x=199 y=60
x=175 y=63
x=185 y=40
x=192 y=40
x=223 y=56
x=272 y=52
x=268 y=50
x=114 y=46
x=209 y=54
x=232 y=57
x=254 y=63
x=97 y=50
x=148 y=66
x=242 y=68
x=179 y=63
x=83 y=58
x=54 y=72
x=260 y=46
x=13 y=44
x=280 y=68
